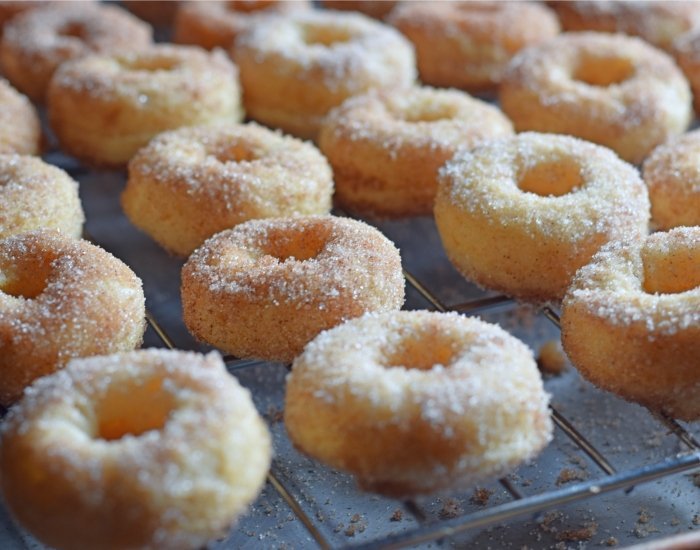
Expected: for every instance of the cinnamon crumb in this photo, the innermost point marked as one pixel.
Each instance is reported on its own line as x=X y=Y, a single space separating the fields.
x=584 y=533
x=397 y=515
x=451 y=508
x=568 y=475
x=551 y=359
x=481 y=497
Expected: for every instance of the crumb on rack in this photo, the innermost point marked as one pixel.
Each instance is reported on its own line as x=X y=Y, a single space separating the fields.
x=481 y=496
x=568 y=475
x=611 y=541
x=585 y=533
x=551 y=359
x=397 y=515
x=451 y=508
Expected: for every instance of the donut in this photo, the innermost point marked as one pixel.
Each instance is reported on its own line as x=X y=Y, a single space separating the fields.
x=631 y=321
x=417 y=402
x=36 y=195
x=137 y=96
x=188 y=184
x=20 y=129
x=685 y=51
x=266 y=287
x=522 y=214
x=61 y=298
x=613 y=90
x=658 y=23
x=672 y=175
x=386 y=147
x=11 y=8
x=295 y=69
x=467 y=45
x=376 y=10
x=35 y=43
x=213 y=24
x=147 y=449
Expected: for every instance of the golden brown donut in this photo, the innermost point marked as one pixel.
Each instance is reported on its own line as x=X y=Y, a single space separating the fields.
x=672 y=175
x=295 y=69
x=61 y=298
x=631 y=321
x=20 y=129
x=522 y=214
x=218 y=23
x=658 y=23
x=137 y=96
x=613 y=90
x=417 y=402
x=376 y=9
x=386 y=147
x=35 y=43
x=147 y=449
x=467 y=45
x=188 y=184
x=266 y=287
x=36 y=195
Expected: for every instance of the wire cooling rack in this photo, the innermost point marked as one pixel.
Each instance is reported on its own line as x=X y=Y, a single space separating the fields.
x=615 y=473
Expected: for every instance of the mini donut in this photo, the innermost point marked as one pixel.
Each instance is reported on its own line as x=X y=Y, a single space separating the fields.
x=295 y=69
x=188 y=184
x=386 y=147
x=266 y=287
x=213 y=24
x=631 y=321
x=522 y=214
x=417 y=402
x=61 y=298
x=20 y=129
x=672 y=175
x=658 y=23
x=467 y=45
x=35 y=43
x=613 y=90
x=147 y=449
x=137 y=96
x=376 y=10
x=36 y=195
x=686 y=51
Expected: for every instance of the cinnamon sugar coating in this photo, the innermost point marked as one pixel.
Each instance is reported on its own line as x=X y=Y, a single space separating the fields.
x=612 y=90
x=266 y=287
x=35 y=195
x=686 y=51
x=189 y=184
x=521 y=215
x=35 y=43
x=631 y=321
x=61 y=298
x=20 y=129
x=417 y=402
x=386 y=146
x=147 y=449
x=295 y=69
x=137 y=96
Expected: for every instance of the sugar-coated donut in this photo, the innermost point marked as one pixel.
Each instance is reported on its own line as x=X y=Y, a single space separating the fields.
x=672 y=175
x=522 y=214
x=386 y=147
x=613 y=90
x=266 y=287
x=35 y=43
x=137 y=96
x=377 y=10
x=20 y=129
x=295 y=69
x=147 y=449
x=61 y=298
x=467 y=45
x=686 y=50
x=35 y=195
x=217 y=23
x=417 y=402
x=631 y=321
x=658 y=23
x=189 y=184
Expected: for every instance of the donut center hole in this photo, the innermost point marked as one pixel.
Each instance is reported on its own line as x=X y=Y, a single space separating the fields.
x=27 y=279
x=74 y=30
x=236 y=152
x=421 y=353
x=670 y=272
x=151 y=64
x=549 y=179
x=133 y=409
x=325 y=36
x=603 y=71
x=305 y=245
x=425 y=113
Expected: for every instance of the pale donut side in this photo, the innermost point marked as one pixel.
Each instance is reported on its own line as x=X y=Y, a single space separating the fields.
x=20 y=128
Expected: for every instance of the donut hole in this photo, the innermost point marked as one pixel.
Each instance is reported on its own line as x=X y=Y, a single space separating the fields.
x=425 y=112
x=603 y=71
x=551 y=178
x=27 y=279
x=74 y=30
x=150 y=64
x=299 y=246
x=133 y=409
x=670 y=271
x=421 y=352
x=325 y=35
x=233 y=152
